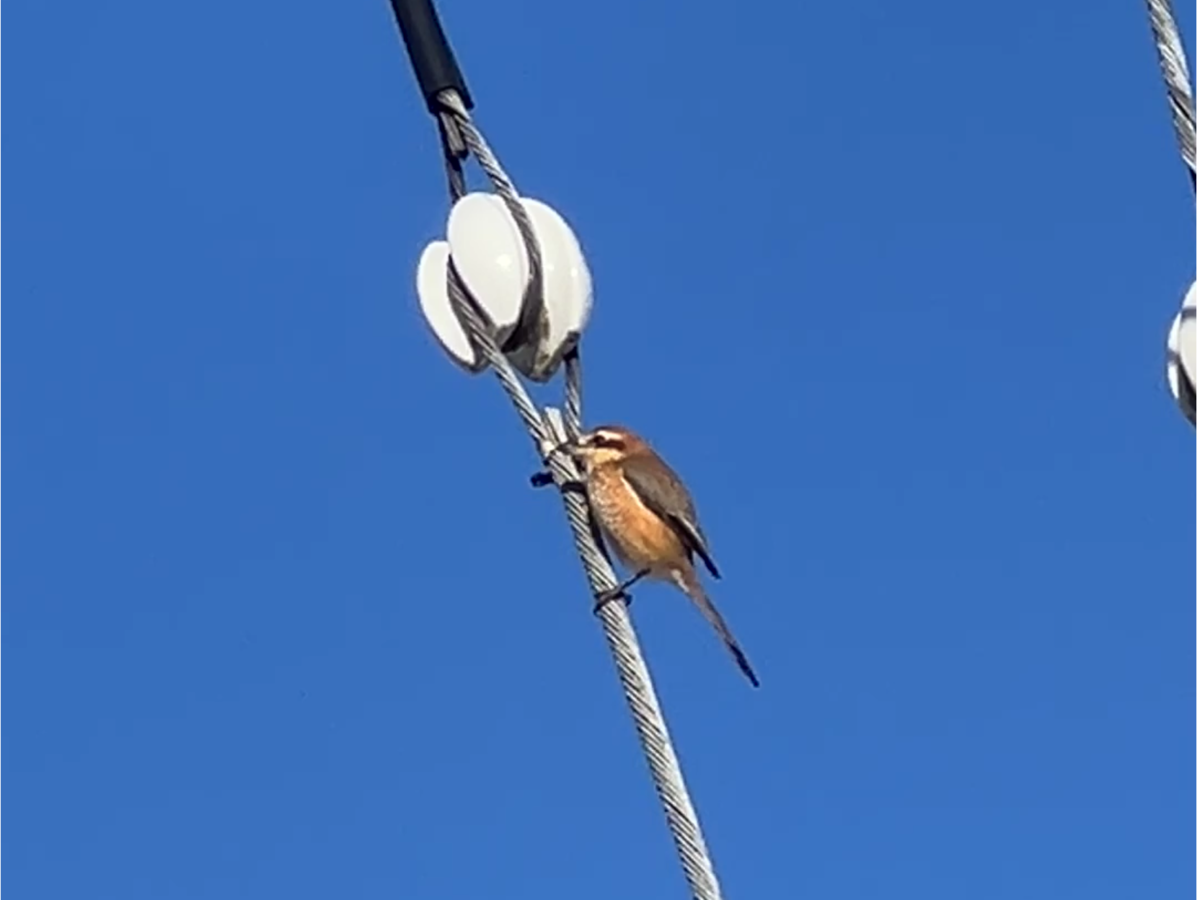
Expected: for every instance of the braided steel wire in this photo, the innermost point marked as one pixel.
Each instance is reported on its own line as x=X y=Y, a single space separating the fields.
x=1173 y=64
x=548 y=431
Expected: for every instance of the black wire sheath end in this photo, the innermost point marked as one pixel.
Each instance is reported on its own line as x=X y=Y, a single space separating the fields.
x=429 y=51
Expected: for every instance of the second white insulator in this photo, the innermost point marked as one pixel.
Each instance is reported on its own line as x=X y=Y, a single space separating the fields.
x=434 y=296
x=1181 y=356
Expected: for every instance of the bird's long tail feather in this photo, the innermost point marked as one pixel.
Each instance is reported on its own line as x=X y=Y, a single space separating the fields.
x=690 y=585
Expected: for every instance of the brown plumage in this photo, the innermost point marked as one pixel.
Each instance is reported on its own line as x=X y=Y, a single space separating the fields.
x=648 y=519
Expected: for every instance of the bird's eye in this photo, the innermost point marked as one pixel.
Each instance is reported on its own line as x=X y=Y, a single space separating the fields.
x=608 y=441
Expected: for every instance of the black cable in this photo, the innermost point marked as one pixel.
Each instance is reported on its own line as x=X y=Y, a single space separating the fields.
x=432 y=59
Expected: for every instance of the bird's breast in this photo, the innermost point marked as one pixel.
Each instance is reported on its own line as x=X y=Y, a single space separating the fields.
x=637 y=535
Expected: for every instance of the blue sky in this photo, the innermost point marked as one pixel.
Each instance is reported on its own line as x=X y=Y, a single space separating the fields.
x=889 y=284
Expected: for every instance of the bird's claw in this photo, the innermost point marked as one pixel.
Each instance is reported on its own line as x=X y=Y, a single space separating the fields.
x=544 y=479
x=621 y=591
x=606 y=597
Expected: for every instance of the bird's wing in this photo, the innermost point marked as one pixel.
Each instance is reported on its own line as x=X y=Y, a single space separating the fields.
x=665 y=496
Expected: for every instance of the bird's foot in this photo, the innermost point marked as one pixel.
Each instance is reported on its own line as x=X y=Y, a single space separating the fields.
x=620 y=592
x=606 y=597
x=545 y=479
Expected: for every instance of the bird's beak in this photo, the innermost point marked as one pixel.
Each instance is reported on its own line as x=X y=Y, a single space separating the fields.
x=569 y=447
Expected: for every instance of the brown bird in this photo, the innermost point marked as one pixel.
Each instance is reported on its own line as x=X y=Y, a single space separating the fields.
x=647 y=517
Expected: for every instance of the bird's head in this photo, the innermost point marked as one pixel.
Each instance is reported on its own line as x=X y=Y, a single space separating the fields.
x=604 y=445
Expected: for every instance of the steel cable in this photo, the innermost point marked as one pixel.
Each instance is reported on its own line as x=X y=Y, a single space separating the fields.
x=548 y=431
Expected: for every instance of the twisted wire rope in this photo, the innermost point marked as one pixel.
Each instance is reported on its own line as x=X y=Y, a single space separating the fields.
x=1173 y=64
x=548 y=432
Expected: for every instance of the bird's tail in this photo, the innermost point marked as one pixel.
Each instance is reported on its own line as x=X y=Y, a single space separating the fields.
x=690 y=584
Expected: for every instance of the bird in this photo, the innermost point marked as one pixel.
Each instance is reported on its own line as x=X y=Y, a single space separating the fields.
x=648 y=518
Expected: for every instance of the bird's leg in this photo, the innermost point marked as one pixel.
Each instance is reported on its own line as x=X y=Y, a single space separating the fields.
x=618 y=593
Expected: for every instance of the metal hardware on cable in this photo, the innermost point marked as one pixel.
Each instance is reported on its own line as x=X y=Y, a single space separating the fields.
x=543 y=338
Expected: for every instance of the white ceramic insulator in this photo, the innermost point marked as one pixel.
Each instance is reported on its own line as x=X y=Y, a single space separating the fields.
x=490 y=256
x=567 y=292
x=1181 y=356
x=439 y=312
